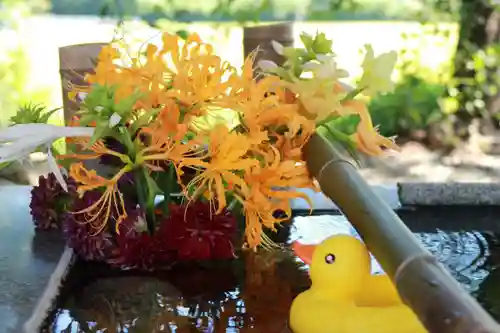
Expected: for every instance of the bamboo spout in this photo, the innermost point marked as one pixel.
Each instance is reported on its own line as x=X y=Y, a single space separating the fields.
x=423 y=283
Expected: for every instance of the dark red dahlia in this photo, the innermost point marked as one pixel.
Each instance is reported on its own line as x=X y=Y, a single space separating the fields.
x=49 y=201
x=87 y=241
x=195 y=233
x=143 y=251
x=138 y=249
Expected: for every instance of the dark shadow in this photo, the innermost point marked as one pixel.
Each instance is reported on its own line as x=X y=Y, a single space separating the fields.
x=47 y=245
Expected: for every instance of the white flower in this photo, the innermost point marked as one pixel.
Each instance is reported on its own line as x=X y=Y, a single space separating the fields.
x=81 y=96
x=54 y=168
x=114 y=120
x=140 y=225
x=325 y=68
x=18 y=141
x=267 y=65
x=277 y=47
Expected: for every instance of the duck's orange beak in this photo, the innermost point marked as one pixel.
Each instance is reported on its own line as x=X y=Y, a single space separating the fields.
x=304 y=252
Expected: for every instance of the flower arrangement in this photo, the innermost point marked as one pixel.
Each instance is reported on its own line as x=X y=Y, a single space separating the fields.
x=189 y=143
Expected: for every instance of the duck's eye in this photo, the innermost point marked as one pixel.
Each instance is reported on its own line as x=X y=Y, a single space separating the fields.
x=330 y=258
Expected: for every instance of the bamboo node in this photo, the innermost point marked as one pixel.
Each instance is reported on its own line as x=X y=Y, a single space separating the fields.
x=330 y=162
x=401 y=268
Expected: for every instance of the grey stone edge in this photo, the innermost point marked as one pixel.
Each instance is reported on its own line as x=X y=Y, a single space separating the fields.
x=395 y=195
x=46 y=302
x=418 y=194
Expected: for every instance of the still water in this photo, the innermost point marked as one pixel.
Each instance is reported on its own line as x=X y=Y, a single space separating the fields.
x=255 y=293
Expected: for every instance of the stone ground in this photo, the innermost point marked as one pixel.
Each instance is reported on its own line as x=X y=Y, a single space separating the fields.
x=414 y=163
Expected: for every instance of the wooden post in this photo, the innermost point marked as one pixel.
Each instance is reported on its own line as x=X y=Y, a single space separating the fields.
x=261 y=36
x=423 y=283
x=76 y=61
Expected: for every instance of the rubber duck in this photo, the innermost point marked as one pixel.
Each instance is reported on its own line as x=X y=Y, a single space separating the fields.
x=344 y=296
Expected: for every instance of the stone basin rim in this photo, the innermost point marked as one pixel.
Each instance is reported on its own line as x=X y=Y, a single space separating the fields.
x=401 y=194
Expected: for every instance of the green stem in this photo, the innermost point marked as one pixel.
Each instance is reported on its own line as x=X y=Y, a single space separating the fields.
x=127 y=141
x=145 y=192
x=167 y=189
x=146 y=197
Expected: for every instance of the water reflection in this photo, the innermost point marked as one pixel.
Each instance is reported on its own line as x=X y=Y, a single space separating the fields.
x=260 y=300
x=252 y=295
x=464 y=253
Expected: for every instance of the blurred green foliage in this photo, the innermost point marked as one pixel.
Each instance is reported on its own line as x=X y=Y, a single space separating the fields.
x=259 y=10
x=32 y=113
x=15 y=86
x=414 y=105
x=422 y=97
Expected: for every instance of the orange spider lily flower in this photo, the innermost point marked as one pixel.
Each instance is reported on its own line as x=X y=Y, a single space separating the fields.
x=111 y=202
x=75 y=122
x=270 y=188
x=200 y=81
x=165 y=140
x=367 y=139
x=106 y=71
x=96 y=150
x=227 y=154
x=243 y=85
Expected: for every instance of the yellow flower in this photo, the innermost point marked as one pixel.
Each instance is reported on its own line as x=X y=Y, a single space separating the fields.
x=325 y=68
x=317 y=98
x=377 y=72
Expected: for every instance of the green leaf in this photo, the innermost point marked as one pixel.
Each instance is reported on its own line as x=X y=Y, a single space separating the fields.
x=144 y=119
x=126 y=105
x=154 y=189
x=32 y=113
x=100 y=131
x=182 y=34
x=333 y=135
x=307 y=40
x=45 y=117
x=344 y=124
x=322 y=45
x=86 y=119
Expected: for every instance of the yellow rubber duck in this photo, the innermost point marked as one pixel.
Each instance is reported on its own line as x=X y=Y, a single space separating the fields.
x=344 y=296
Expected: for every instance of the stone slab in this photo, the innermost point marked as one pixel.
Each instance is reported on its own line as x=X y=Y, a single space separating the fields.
x=27 y=261
x=436 y=194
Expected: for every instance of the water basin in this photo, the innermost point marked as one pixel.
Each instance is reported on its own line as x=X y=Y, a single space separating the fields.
x=254 y=293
